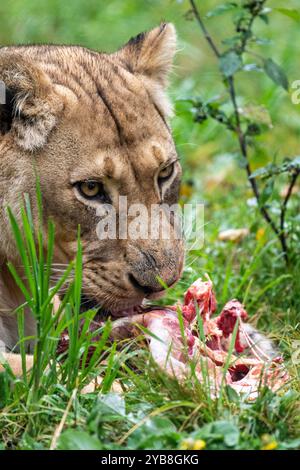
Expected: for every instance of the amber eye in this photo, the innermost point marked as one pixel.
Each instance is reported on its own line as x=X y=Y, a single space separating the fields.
x=166 y=172
x=91 y=189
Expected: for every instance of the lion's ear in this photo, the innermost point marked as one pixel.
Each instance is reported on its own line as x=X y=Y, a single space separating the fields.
x=151 y=54
x=28 y=106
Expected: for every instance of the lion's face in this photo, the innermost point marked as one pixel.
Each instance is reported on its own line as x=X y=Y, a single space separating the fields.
x=102 y=133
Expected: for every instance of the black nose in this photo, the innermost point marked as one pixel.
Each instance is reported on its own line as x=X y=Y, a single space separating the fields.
x=145 y=289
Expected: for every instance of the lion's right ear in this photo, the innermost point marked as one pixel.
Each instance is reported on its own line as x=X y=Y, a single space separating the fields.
x=28 y=106
x=150 y=56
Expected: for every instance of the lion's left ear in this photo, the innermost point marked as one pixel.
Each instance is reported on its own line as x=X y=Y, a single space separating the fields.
x=151 y=54
x=28 y=108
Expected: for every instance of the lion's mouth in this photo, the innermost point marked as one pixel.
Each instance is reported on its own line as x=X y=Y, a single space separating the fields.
x=91 y=304
x=128 y=312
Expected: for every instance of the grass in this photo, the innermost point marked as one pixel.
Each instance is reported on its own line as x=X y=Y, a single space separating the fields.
x=45 y=408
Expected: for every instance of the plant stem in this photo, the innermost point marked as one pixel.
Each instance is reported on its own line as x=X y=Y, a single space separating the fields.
x=284 y=208
x=244 y=151
x=204 y=30
x=239 y=132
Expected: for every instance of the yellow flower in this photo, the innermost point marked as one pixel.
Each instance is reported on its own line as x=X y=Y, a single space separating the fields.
x=186 y=444
x=261 y=235
x=191 y=444
x=199 y=444
x=270 y=446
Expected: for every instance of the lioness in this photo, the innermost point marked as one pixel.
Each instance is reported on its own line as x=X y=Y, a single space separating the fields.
x=94 y=126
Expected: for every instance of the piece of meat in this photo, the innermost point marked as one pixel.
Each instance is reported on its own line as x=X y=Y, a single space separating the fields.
x=174 y=350
x=232 y=312
x=200 y=294
x=249 y=367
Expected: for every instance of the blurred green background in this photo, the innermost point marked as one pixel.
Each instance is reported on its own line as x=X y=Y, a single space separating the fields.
x=106 y=25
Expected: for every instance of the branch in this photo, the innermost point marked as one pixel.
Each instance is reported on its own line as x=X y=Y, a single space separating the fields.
x=204 y=30
x=244 y=151
x=248 y=32
x=240 y=134
x=284 y=207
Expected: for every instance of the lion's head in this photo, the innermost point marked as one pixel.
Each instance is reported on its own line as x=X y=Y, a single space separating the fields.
x=94 y=127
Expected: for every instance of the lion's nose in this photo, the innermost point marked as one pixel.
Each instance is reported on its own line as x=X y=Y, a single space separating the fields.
x=148 y=289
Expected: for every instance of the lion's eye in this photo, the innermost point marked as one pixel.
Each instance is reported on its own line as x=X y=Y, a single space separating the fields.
x=91 y=189
x=166 y=173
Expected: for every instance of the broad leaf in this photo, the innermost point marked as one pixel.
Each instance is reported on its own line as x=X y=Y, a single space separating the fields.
x=78 y=440
x=266 y=193
x=291 y=13
x=220 y=9
x=219 y=431
x=230 y=63
x=228 y=431
x=276 y=73
x=156 y=433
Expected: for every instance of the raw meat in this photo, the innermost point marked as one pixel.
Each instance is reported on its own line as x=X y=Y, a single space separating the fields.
x=220 y=348
x=247 y=369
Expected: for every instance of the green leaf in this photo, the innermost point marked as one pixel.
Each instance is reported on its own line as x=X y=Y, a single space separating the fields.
x=266 y=192
x=292 y=444
x=291 y=13
x=257 y=114
x=156 y=433
x=220 y=9
x=264 y=171
x=113 y=403
x=78 y=440
x=230 y=63
x=4 y=389
x=288 y=166
x=228 y=431
x=264 y=18
x=219 y=431
x=108 y=408
x=232 y=395
x=232 y=42
x=262 y=41
x=276 y=73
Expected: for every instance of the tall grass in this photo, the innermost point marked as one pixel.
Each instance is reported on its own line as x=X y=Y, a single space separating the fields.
x=39 y=290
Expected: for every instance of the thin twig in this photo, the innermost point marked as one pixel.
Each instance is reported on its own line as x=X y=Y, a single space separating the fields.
x=204 y=30
x=285 y=204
